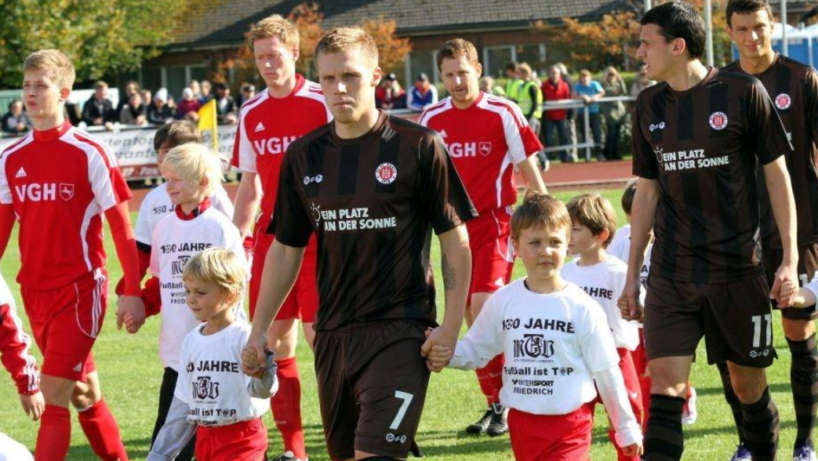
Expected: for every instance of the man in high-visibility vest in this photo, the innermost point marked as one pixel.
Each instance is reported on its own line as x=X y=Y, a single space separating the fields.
x=514 y=82
x=529 y=98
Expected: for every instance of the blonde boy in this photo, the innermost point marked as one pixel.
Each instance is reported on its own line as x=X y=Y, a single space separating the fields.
x=557 y=344
x=57 y=182
x=225 y=405
x=192 y=173
x=593 y=224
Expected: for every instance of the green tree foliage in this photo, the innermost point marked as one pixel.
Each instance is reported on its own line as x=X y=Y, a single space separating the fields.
x=100 y=36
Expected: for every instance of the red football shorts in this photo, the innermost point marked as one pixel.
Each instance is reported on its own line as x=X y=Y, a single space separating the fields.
x=244 y=441
x=491 y=250
x=302 y=302
x=551 y=437
x=66 y=322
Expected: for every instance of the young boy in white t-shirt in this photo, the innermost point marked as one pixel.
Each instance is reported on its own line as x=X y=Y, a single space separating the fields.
x=192 y=173
x=225 y=404
x=557 y=345
x=593 y=224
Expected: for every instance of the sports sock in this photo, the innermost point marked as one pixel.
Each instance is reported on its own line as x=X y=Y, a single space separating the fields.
x=490 y=378
x=732 y=400
x=54 y=436
x=664 y=440
x=761 y=427
x=102 y=432
x=286 y=406
x=804 y=382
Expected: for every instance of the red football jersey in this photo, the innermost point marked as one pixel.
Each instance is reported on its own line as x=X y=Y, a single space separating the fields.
x=59 y=182
x=484 y=141
x=268 y=125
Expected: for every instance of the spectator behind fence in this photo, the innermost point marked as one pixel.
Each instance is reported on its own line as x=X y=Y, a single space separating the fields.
x=99 y=110
x=614 y=112
x=487 y=86
x=159 y=112
x=16 y=121
x=571 y=115
x=556 y=121
x=423 y=94
x=225 y=105
x=196 y=89
x=641 y=82
x=248 y=90
x=589 y=91
x=131 y=88
x=134 y=111
x=205 y=92
x=514 y=83
x=389 y=94
x=188 y=107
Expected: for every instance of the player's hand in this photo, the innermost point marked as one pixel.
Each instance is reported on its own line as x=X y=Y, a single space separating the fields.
x=633 y=450
x=255 y=347
x=439 y=357
x=440 y=336
x=134 y=308
x=33 y=404
x=785 y=275
x=629 y=305
x=787 y=291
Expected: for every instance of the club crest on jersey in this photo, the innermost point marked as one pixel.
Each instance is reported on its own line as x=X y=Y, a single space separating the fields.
x=783 y=101
x=484 y=148
x=386 y=173
x=66 y=191
x=718 y=120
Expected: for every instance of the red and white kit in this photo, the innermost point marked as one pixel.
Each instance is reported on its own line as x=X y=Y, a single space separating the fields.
x=59 y=207
x=15 y=345
x=267 y=126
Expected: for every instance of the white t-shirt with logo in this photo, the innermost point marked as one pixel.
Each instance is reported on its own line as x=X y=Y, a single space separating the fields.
x=174 y=242
x=212 y=383
x=157 y=205
x=604 y=283
x=552 y=345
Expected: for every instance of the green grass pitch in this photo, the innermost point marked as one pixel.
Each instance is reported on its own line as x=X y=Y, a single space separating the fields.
x=130 y=372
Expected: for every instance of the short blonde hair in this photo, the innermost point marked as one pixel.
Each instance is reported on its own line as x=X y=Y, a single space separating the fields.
x=343 y=39
x=56 y=64
x=194 y=162
x=540 y=210
x=594 y=212
x=455 y=49
x=220 y=267
x=275 y=26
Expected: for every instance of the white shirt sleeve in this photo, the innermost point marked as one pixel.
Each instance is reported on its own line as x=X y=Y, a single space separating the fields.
x=483 y=341
x=221 y=201
x=611 y=387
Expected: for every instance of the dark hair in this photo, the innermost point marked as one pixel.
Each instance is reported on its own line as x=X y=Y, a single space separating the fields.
x=679 y=20
x=175 y=134
x=627 y=196
x=513 y=66
x=455 y=49
x=747 y=7
x=540 y=210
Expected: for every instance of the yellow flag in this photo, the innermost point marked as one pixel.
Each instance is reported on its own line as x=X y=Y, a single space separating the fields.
x=208 y=121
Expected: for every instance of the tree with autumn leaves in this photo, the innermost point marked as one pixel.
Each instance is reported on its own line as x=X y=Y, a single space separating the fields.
x=614 y=39
x=308 y=19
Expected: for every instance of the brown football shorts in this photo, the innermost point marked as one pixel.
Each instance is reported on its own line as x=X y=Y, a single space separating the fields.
x=735 y=319
x=372 y=384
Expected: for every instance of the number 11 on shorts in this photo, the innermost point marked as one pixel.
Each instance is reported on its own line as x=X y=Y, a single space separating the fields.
x=768 y=330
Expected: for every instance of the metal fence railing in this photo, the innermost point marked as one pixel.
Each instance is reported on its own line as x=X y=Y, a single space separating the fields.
x=582 y=109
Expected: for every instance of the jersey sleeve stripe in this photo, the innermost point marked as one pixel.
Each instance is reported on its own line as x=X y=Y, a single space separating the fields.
x=98 y=170
x=5 y=189
x=100 y=147
x=510 y=107
x=434 y=110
